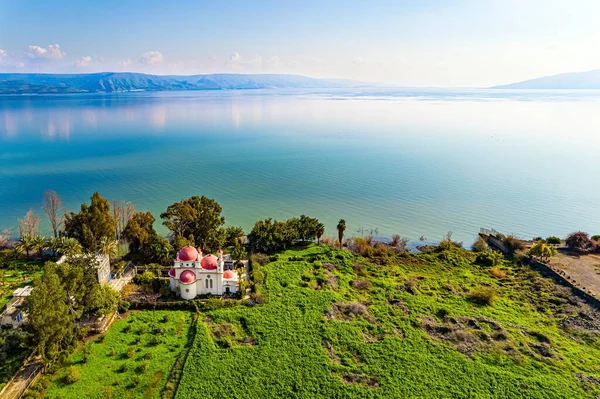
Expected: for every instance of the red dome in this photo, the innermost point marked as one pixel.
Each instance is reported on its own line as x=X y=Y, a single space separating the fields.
x=188 y=254
x=172 y=272
x=209 y=262
x=187 y=277
x=228 y=274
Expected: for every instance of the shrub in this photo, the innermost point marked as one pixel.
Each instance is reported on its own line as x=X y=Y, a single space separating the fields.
x=553 y=240
x=361 y=285
x=135 y=381
x=479 y=245
x=260 y=258
x=488 y=258
x=258 y=276
x=145 y=278
x=130 y=353
x=483 y=295
x=596 y=238
x=580 y=241
x=497 y=272
x=124 y=306
x=542 y=251
x=512 y=244
x=73 y=375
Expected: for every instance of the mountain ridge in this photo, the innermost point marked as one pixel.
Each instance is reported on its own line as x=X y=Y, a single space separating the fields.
x=110 y=82
x=588 y=80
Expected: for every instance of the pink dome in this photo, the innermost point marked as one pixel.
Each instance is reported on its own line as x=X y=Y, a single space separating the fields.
x=187 y=277
x=228 y=274
x=220 y=251
x=172 y=272
x=209 y=262
x=188 y=254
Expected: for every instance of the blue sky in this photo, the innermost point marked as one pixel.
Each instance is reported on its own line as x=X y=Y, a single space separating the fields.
x=420 y=43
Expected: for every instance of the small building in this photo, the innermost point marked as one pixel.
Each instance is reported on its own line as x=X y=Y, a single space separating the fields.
x=14 y=316
x=193 y=274
x=103 y=267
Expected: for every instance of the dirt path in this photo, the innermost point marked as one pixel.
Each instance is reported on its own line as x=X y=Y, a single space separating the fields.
x=582 y=270
x=21 y=381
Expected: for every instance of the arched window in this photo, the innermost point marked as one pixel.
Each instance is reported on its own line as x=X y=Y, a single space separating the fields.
x=206 y=283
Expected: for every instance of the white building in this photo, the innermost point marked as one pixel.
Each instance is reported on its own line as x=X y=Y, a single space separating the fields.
x=103 y=266
x=13 y=316
x=193 y=275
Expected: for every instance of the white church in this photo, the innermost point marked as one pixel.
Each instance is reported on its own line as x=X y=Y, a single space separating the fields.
x=194 y=274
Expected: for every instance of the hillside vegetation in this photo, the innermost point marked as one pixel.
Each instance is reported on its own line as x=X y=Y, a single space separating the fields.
x=430 y=325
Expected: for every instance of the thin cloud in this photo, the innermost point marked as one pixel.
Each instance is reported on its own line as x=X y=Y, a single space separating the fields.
x=152 y=58
x=53 y=52
x=83 y=61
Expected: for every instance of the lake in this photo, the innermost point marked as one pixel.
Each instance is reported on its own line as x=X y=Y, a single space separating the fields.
x=414 y=162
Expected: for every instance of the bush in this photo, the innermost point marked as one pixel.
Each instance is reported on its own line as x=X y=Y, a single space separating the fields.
x=488 y=258
x=596 y=238
x=145 y=278
x=581 y=242
x=361 y=285
x=124 y=306
x=497 y=272
x=553 y=240
x=483 y=295
x=73 y=375
x=130 y=353
x=512 y=244
x=258 y=276
x=479 y=245
x=260 y=258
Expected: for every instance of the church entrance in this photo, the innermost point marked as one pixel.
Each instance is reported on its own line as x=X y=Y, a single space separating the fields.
x=227 y=291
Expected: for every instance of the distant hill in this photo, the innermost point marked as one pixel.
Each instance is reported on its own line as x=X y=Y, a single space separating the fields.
x=35 y=83
x=572 y=80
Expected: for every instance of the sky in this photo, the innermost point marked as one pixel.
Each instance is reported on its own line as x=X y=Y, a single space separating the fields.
x=451 y=43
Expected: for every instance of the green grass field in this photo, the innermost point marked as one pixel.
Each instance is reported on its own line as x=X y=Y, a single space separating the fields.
x=134 y=359
x=11 y=279
x=336 y=326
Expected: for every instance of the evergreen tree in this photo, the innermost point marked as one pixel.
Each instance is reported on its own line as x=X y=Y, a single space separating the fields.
x=50 y=319
x=199 y=217
x=93 y=225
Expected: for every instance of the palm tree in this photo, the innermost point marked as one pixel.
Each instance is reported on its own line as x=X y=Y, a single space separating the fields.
x=39 y=243
x=69 y=246
x=54 y=244
x=320 y=231
x=341 y=227
x=25 y=244
x=108 y=247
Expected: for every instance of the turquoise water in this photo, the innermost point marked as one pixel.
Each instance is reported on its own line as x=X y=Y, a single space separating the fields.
x=411 y=162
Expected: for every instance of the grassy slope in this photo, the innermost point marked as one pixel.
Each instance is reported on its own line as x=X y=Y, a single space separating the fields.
x=103 y=368
x=299 y=353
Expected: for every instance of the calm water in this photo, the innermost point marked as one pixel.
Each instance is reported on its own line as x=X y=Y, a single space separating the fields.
x=401 y=161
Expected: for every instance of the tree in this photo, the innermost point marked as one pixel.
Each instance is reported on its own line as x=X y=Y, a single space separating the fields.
x=580 y=241
x=52 y=206
x=320 y=230
x=4 y=238
x=25 y=244
x=239 y=252
x=199 y=217
x=93 y=225
x=68 y=246
x=103 y=299
x=159 y=248
x=122 y=213
x=39 y=244
x=28 y=226
x=542 y=250
x=50 y=320
x=232 y=235
x=266 y=235
x=341 y=228
x=138 y=231
x=108 y=246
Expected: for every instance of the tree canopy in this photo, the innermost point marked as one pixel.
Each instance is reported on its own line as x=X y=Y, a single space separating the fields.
x=94 y=225
x=271 y=235
x=198 y=218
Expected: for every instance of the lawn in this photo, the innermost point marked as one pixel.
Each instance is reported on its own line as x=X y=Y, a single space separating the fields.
x=16 y=276
x=414 y=325
x=134 y=359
